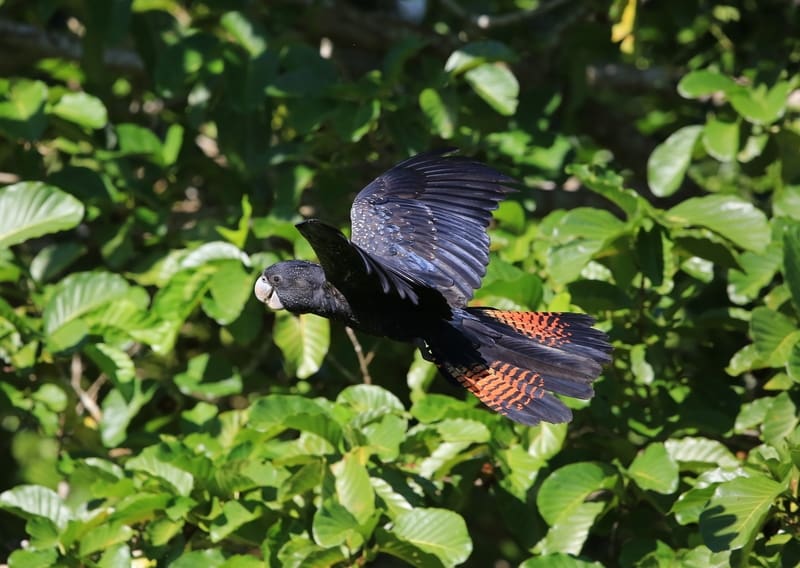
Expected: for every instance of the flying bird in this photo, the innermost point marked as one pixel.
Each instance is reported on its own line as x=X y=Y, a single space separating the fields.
x=418 y=250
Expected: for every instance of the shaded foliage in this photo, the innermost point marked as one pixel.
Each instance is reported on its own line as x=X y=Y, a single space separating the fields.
x=155 y=156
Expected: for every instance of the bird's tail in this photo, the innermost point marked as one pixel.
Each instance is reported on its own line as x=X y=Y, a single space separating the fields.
x=515 y=361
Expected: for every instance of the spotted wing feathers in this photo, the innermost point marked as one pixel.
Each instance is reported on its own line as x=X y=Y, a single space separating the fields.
x=426 y=219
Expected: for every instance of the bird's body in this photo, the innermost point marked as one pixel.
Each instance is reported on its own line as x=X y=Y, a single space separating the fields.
x=418 y=250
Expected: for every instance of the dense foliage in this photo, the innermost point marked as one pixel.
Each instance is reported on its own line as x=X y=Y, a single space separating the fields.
x=154 y=156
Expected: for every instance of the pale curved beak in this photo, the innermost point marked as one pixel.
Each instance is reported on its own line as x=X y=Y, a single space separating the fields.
x=266 y=293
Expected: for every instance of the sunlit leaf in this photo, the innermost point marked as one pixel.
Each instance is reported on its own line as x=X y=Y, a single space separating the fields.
x=439 y=532
x=736 y=511
x=303 y=340
x=668 y=163
x=82 y=109
x=497 y=85
x=33 y=209
x=655 y=469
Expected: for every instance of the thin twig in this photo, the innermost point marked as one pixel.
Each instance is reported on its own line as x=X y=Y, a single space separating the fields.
x=76 y=374
x=363 y=361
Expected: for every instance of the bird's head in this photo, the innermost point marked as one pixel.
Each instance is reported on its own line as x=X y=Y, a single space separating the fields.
x=294 y=285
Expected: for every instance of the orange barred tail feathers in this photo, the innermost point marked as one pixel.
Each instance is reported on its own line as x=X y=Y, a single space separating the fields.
x=516 y=361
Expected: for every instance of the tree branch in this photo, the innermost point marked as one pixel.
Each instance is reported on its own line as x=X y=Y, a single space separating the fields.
x=35 y=43
x=363 y=361
x=485 y=21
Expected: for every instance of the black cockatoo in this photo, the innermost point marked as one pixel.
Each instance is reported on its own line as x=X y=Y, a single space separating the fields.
x=418 y=250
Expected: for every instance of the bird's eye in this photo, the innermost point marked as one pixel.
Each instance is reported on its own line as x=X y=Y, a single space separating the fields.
x=276 y=279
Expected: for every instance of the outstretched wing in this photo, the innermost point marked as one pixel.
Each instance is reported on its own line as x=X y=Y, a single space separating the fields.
x=426 y=218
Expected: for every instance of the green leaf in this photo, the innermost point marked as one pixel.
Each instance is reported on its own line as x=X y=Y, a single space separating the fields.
x=82 y=109
x=721 y=139
x=75 y=296
x=697 y=84
x=780 y=420
x=369 y=398
x=233 y=515
x=137 y=140
x=558 y=560
x=497 y=85
x=655 y=469
x=668 y=163
x=21 y=115
x=700 y=453
x=175 y=478
x=303 y=340
x=791 y=262
x=353 y=488
x=570 y=533
x=774 y=335
x=33 y=209
x=104 y=536
x=209 y=376
x=736 y=512
x=245 y=32
x=119 y=410
x=477 y=53
x=115 y=362
x=439 y=532
x=441 y=116
x=352 y=122
x=32 y=501
x=732 y=217
x=567 y=488
x=760 y=105
x=334 y=525
x=27 y=558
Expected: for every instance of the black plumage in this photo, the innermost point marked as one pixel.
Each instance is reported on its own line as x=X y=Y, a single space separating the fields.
x=418 y=250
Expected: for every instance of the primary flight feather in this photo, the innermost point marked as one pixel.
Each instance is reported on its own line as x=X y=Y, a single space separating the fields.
x=418 y=250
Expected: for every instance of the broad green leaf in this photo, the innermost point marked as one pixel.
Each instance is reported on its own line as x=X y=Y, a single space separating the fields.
x=393 y=502
x=137 y=140
x=234 y=514
x=176 y=478
x=75 y=296
x=757 y=271
x=441 y=116
x=461 y=430
x=477 y=53
x=655 y=469
x=558 y=560
x=721 y=139
x=519 y=471
x=761 y=105
x=569 y=534
x=105 y=536
x=334 y=525
x=369 y=398
x=29 y=558
x=53 y=259
x=209 y=376
x=780 y=420
x=353 y=488
x=439 y=532
x=668 y=163
x=353 y=121
x=791 y=263
x=697 y=84
x=230 y=289
x=690 y=505
x=32 y=501
x=566 y=489
x=278 y=412
x=21 y=114
x=115 y=362
x=588 y=223
x=119 y=409
x=82 y=109
x=211 y=252
x=732 y=217
x=736 y=512
x=699 y=452
x=245 y=32
x=208 y=558
x=609 y=185
x=497 y=85
x=303 y=340
x=774 y=335
x=33 y=209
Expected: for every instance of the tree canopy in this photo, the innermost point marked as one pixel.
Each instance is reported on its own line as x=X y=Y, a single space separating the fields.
x=155 y=156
